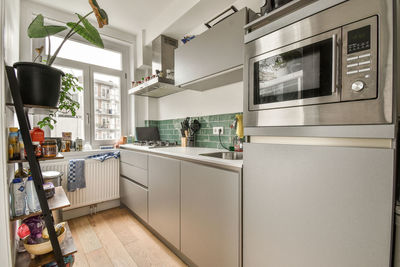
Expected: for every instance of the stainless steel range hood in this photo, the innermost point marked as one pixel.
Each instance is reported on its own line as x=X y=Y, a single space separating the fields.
x=162 y=59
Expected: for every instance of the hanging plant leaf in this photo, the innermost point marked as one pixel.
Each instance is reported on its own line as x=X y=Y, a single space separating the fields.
x=37 y=29
x=93 y=32
x=87 y=31
x=101 y=15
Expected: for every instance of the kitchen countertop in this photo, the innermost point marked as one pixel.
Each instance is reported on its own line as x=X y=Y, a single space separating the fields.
x=191 y=154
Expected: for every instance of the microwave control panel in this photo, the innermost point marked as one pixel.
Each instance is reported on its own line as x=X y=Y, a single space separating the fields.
x=360 y=60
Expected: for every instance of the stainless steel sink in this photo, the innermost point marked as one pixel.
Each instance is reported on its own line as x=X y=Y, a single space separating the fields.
x=225 y=155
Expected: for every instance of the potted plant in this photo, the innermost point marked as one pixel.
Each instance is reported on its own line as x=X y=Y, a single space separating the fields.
x=40 y=83
x=67 y=103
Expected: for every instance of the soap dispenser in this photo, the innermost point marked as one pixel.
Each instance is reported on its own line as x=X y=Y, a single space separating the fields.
x=238 y=139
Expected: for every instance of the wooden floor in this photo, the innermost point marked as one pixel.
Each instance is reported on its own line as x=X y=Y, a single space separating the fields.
x=115 y=238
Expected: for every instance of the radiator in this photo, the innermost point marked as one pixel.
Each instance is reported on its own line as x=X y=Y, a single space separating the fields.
x=102 y=181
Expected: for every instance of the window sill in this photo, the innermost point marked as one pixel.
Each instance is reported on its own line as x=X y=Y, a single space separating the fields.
x=84 y=154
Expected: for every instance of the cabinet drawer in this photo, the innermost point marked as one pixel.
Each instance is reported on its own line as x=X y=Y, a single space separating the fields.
x=134 y=197
x=134 y=173
x=134 y=158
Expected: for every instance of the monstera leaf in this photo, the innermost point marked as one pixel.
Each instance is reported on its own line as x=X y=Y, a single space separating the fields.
x=37 y=29
x=87 y=31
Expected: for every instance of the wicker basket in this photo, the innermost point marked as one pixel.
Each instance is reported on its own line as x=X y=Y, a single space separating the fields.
x=45 y=247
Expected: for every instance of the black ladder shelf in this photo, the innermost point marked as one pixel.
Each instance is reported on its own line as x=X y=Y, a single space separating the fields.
x=34 y=165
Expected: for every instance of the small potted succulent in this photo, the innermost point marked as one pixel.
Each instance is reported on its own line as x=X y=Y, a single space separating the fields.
x=40 y=83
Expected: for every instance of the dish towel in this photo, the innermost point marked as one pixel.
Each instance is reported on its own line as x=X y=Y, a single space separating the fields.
x=105 y=156
x=76 y=175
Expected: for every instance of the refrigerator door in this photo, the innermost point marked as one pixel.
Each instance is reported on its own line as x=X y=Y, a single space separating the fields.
x=313 y=206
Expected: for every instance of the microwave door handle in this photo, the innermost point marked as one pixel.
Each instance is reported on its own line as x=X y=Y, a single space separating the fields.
x=334 y=62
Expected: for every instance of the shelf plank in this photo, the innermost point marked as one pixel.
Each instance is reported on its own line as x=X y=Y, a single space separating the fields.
x=39 y=159
x=58 y=201
x=34 y=109
x=67 y=248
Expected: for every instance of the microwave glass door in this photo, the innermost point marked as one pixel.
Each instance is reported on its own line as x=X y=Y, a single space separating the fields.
x=300 y=74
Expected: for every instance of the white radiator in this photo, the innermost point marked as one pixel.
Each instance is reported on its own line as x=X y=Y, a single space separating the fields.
x=102 y=181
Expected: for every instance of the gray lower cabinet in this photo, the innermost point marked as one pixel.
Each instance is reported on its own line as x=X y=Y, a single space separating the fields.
x=164 y=198
x=210 y=215
x=134 y=197
x=317 y=206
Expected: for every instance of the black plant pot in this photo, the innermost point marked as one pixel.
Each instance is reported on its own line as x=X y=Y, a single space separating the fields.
x=39 y=84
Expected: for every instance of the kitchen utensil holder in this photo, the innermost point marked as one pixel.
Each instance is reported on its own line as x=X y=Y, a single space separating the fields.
x=184 y=141
x=191 y=141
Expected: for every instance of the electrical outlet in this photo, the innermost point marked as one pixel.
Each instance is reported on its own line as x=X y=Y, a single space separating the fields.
x=217 y=129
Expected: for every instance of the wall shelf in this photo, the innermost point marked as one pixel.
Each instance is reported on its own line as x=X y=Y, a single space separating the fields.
x=22 y=111
x=39 y=159
x=67 y=248
x=58 y=201
x=34 y=109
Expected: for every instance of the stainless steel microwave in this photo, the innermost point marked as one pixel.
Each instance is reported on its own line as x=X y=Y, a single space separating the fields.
x=334 y=67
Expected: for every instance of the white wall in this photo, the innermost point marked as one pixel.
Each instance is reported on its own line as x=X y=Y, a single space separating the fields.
x=9 y=39
x=225 y=99
x=189 y=103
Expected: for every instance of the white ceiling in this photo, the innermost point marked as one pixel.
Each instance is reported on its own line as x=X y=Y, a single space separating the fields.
x=171 y=17
x=128 y=15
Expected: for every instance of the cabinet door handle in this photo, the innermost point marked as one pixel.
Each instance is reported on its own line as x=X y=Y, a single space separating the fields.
x=88 y=118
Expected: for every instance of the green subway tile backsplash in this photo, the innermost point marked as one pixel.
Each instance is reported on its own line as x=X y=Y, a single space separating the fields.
x=170 y=130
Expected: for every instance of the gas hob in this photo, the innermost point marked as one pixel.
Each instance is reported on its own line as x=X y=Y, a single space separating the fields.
x=155 y=144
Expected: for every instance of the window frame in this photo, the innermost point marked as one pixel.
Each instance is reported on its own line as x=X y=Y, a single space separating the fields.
x=88 y=70
x=112 y=72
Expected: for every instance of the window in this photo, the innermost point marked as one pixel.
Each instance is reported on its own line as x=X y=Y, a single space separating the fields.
x=101 y=73
x=85 y=53
x=107 y=106
x=66 y=122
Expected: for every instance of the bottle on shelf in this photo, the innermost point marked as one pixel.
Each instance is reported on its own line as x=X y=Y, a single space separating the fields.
x=21 y=146
x=37 y=148
x=21 y=173
x=13 y=148
x=31 y=196
x=37 y=135
x=17 y=190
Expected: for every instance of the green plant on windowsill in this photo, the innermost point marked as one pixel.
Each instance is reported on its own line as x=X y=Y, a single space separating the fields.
x=66 y=104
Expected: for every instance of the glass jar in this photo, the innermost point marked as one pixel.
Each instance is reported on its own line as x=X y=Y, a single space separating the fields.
x=49 y=148
x=78 y=144
x=37 y=148
x=67 y=146
x=63 y=146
